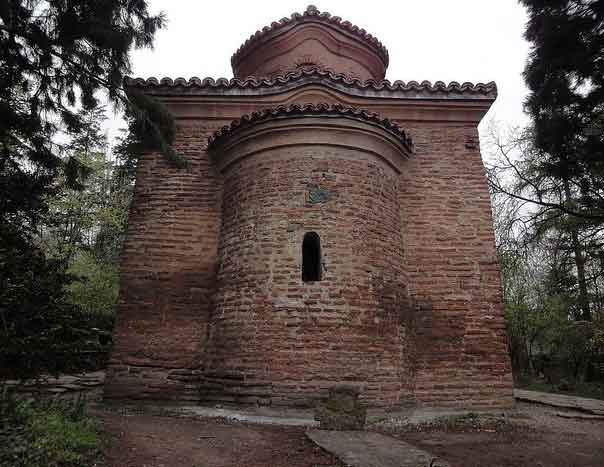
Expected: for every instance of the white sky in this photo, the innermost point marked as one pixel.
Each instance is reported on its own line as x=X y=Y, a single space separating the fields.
x=446 y=40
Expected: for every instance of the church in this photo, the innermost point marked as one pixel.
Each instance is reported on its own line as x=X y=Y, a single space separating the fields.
x=332 y=227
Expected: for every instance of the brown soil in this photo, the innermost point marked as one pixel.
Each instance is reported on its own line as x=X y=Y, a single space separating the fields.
x=535 y=437
x=159 y=441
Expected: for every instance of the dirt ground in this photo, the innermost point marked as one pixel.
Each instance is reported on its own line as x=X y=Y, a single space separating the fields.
x=141 y=440
x=534 y=437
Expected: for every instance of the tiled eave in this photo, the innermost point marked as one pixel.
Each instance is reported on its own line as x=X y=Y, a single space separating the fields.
x=310 y=110
x=279 y=84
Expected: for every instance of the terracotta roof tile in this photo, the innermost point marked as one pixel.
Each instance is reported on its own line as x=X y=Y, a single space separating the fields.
x=311 y=14
x=313 y=74
x=296 y=110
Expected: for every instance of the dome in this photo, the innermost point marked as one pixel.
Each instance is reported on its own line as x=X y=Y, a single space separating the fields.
x=311 y=39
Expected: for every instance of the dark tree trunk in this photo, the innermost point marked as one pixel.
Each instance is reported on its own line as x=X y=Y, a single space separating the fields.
x=579 y=263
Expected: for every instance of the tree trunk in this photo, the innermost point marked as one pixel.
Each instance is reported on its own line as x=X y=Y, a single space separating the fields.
x=579 y=263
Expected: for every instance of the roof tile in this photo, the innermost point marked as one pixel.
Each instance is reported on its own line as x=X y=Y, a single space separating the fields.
x=296 y=110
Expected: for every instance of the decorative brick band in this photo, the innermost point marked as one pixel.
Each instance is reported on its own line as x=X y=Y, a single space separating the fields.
x=307 y=110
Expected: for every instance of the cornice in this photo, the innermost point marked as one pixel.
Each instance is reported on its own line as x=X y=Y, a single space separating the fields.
x=309 y=110
x=280 y=83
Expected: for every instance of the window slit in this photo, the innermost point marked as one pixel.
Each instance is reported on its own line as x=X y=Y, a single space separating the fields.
x=311 y=257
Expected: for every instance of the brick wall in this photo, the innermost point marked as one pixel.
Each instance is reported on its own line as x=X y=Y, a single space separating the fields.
x=289 y=340
x=454 y=284
x=167 y=275
x=410 y=308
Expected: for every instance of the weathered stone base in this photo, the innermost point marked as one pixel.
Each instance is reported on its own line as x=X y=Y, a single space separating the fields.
x=193 y=386
x=140 y=382
x=341 y=410
x=233 y=389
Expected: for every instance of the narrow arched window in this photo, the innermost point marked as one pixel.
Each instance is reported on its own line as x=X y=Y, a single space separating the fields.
x=311 y=257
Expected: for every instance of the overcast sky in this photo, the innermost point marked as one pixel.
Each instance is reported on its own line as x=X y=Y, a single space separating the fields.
x=459 y=40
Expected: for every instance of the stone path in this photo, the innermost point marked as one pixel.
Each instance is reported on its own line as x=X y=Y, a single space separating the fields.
x=260 y=415
x=582 y=404
x=366 y=449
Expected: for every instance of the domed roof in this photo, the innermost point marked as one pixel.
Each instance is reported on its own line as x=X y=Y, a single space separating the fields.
x=315 y=39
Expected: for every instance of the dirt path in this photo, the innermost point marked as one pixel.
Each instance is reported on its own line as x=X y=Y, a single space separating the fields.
x=154 y=441
x=536 y=437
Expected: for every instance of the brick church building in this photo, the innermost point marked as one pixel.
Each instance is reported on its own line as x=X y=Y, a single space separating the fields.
x=332 y=227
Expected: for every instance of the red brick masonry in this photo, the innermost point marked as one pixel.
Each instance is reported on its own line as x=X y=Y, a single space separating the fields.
x=409 y=309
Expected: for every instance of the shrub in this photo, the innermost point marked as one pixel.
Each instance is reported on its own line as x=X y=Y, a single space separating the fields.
x=50 y=433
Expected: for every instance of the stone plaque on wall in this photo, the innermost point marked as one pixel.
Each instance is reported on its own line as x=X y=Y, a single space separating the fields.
x=317 y=194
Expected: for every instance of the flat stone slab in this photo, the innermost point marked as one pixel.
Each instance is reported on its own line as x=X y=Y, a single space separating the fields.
x=85 y=384
x=262 y=417
x=579 y=416
x=367 y=449
x=582 y=404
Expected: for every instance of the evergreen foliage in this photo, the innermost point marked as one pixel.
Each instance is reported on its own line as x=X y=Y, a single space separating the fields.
x=56 y=58
x=565 y=76
x=68 y=327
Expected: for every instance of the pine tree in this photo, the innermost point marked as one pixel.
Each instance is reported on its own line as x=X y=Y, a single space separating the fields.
x=565 y=76
x=561 y=168
x=56 y=56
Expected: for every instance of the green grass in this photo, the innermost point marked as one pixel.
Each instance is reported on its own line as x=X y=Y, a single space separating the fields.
x=52 y=433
